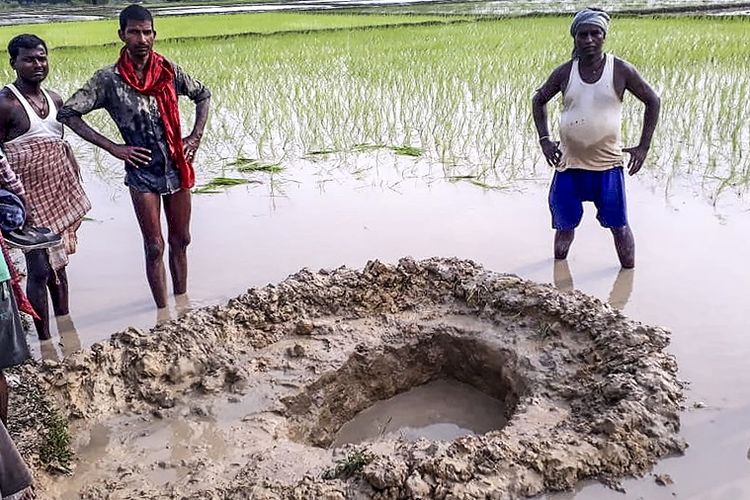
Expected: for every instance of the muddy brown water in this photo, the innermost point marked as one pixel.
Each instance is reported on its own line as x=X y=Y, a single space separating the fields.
x=440 y=411
x=692 y=277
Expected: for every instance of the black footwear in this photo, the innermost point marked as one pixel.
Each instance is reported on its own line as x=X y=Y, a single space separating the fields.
x=44 y=232
x=31 y=238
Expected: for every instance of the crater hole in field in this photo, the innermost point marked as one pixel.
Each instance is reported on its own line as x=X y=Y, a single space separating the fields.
x=441 y=388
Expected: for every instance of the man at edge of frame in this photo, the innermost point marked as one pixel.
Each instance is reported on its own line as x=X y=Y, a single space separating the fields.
x=140 y=93
x=588 y=159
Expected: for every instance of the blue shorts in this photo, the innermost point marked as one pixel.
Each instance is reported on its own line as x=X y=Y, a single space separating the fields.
x=570 y=188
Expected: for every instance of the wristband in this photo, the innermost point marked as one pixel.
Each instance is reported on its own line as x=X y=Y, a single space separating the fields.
x=543 y=137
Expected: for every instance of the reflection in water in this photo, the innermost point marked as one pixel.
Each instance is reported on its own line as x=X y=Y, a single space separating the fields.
x=182 y=304
x=163 y=315
x=70 y=341
x=47 y=348
x=622 y=287
x=561 y=276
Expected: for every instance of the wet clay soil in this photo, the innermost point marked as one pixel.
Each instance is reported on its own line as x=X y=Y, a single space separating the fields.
x=247 y=398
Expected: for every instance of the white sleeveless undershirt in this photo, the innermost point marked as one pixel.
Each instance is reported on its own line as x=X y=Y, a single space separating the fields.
x=590 y=121
x=38 y=127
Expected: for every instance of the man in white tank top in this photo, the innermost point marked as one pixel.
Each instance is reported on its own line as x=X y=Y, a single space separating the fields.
x=32 y=139
x=588 y=157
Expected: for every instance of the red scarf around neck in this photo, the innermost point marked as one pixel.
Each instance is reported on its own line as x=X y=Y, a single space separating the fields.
x=158 y=81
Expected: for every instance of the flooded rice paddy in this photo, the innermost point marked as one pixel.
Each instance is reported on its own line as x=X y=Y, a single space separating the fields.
x=328 y=115
x=49 y=13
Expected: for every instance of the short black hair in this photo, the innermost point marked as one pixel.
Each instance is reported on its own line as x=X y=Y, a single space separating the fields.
x=25 y=41
x=134 y=13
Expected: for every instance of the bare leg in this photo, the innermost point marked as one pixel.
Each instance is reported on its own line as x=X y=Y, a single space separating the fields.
x=625 y=246
x=177 y=208
x=563 y=240
x=57 y=283
x=38 y=274
x=3 y=399
x=148 y=210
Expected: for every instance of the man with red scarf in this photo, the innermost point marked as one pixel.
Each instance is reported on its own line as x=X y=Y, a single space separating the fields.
x=140 y=93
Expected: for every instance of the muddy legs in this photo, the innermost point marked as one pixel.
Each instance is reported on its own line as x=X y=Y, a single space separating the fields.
x=563 y=240
x=624 y=244
x=41 y=279
x=148 y=212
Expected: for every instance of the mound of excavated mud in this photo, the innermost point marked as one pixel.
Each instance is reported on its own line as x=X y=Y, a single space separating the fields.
x=587 y=392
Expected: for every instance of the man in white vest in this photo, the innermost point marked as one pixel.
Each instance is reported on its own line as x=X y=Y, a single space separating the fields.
x=588 y=158
x=32 y=139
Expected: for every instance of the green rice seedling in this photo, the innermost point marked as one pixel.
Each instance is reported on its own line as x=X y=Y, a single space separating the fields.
x=216 y=184
x=247 y=165
x=457 y=92
x=323 y=152
x=407 y=150
x=350 y=465
x=102 y=32
x=484 y=185
x=365 y=147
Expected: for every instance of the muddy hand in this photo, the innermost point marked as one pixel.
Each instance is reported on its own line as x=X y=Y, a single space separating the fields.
x=551 y=152
x=637 y=157
x=133 y=155
x=190 y=145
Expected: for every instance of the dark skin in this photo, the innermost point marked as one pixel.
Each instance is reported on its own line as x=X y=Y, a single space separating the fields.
x=589 y=43
x=32 y=67
x=138 y=37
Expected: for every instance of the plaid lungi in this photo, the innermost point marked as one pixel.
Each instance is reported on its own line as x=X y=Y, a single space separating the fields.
x=52 y=179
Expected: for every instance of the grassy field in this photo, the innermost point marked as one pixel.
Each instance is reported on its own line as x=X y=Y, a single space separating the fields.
x=92 y=33
x=456 y=94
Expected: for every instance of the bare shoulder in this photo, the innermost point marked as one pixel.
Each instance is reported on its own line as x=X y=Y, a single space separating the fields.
x=562 y=72
x=565 y=67
x=8 y=100
x=624 y=68
x=55 y=98
x=558 y=79
x=6 y=95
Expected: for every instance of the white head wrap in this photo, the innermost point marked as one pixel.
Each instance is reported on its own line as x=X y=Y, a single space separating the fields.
x=595 y=17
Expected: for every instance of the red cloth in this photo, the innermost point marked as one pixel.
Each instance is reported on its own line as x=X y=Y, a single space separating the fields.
x=158 y=81
x=15 y=280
